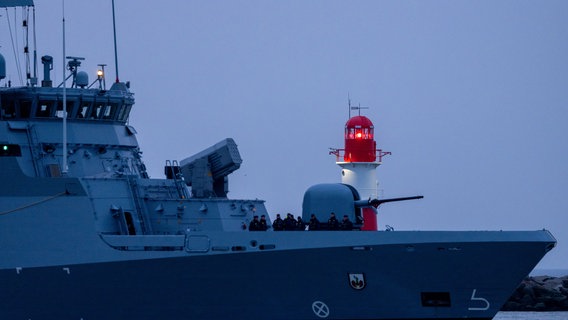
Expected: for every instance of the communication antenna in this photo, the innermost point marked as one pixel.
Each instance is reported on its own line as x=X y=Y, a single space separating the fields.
x=352 y=107
x=14 y=42
x=30 y=79
x=115 y=49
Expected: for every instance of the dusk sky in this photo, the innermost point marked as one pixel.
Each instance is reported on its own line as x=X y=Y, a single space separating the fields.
x=470 y=97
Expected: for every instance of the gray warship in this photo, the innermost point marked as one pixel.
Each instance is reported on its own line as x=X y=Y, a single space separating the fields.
x=86 y=234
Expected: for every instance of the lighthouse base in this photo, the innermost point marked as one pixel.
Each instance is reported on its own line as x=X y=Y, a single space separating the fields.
x=369 y=219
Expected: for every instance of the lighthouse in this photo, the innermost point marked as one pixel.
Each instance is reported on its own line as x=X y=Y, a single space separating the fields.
x=359 y=160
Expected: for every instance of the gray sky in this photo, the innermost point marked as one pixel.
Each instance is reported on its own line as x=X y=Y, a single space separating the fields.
x=470 y=97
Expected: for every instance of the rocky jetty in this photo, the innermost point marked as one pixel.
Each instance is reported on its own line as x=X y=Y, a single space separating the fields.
x=541 y=293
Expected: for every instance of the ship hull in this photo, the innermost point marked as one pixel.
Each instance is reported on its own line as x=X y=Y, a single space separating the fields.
x=440 y=278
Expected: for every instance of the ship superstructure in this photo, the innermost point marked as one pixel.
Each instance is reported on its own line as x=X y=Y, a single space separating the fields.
x=85 y=233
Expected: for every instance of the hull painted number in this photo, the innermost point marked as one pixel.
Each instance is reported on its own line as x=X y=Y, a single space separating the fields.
x=474 y=298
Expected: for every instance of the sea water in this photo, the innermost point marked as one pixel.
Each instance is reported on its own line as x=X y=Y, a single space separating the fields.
x=531 y=316
x=549 y=272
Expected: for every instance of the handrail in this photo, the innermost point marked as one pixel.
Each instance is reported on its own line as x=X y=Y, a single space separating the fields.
x=340 y=153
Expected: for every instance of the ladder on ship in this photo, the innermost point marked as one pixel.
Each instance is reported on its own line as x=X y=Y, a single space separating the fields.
x=172 y=171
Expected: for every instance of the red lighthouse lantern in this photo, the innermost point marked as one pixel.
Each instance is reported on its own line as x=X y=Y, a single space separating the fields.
x=360 y=145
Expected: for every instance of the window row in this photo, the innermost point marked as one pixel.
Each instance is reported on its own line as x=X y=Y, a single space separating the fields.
x=359 y=133
x=76 y=109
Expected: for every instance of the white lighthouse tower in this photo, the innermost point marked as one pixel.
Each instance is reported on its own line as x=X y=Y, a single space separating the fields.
x=359 y=161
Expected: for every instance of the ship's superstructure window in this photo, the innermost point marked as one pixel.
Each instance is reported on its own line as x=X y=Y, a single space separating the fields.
x=124 y=111
x=45 y=108
x=80 y=104
x=96 y=111
x=70 y=104
x=25 y=108
x=8 y=109
x=110 y=111
x=10 y=150
x=84 y=109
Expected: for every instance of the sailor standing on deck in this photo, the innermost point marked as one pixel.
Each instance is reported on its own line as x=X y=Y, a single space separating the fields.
x=289 y=222
x=278 y=224
x=332 y=223
x=263 y=226
x=254 y=224
x=346 y=224
x=300 y=225
x=314 y=223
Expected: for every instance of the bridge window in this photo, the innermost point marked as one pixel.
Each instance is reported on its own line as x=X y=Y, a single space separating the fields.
x=45 y=108
x=84 y=110
x=8 y=108
x=110 y=111
x=69 y=109
x=96 y=111
x=123 y=112
x=25 y=108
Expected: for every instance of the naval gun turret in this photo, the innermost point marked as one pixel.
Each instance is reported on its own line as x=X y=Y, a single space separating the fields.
x=207 y=171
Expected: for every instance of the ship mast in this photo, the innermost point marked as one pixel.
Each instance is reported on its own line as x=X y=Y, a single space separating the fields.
x=64 y=107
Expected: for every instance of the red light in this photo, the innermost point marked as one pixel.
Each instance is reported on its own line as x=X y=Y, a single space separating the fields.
x=358 y=135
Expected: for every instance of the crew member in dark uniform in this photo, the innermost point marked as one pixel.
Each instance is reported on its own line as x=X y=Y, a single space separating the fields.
x=300 y=225
x=278 y=224
x=262 y=226
x=346 y=224
x=254 y=224
x=289 y=222
x=314 y=223
x=332 y=223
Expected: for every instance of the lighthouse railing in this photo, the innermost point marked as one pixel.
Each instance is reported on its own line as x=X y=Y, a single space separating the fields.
x=340 y=154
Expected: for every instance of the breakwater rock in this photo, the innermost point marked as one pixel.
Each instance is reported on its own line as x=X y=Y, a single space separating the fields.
x=542 y=293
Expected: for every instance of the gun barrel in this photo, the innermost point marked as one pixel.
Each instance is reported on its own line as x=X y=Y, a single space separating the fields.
x=377 y=202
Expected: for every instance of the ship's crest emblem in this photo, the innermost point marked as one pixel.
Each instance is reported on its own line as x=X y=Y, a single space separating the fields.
x=357 y=281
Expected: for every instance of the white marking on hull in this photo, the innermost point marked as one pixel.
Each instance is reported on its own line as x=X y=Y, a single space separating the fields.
x=474 y=298
x=320 y=309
